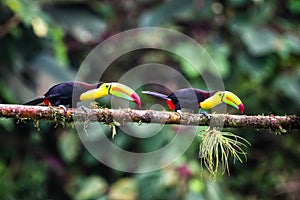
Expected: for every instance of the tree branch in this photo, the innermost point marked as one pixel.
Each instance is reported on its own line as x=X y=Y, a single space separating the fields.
x=58 y=115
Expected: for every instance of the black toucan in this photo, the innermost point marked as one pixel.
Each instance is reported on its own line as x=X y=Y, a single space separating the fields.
x=63 y=94
x=193 y=99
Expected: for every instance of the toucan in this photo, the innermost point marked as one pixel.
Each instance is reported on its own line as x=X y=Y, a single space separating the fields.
x=67 y=93
x=193 y=99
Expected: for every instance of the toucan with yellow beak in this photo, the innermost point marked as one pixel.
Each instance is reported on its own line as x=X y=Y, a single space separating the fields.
x=65 y=94
x=193 y=99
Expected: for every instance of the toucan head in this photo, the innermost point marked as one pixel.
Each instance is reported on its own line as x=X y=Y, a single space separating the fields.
x=115 y=89
x=223 y=97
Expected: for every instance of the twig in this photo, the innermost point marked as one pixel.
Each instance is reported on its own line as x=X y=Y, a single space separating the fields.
x=9 y=25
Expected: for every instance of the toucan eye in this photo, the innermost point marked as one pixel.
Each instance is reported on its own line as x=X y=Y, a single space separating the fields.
x=106 y=86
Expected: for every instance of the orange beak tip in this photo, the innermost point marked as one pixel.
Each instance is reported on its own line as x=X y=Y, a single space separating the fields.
x=241 y=108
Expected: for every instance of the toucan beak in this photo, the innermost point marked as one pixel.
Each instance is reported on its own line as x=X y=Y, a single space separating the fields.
x=231 y=99
x=241 y=108
x=125 y=92
x=115 y=89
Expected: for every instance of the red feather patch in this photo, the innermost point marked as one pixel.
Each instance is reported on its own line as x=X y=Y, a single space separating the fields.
x=170 y=104
x=47 y=102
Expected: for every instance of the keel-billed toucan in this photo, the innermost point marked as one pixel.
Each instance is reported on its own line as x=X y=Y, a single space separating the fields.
x=63 y=94
x=193 y=99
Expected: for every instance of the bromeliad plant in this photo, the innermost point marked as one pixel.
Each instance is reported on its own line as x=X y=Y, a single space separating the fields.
x=216 y=147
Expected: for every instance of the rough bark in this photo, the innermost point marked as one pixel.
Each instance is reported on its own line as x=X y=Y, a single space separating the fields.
x=59 y=115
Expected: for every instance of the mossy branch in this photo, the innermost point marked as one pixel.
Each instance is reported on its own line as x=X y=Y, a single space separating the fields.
x=58 y=115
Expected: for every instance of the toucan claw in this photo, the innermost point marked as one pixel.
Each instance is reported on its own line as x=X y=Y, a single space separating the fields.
x=89 y=115
x=64 y=108
x=205 y=114
x=180 y=113
x=85 y=109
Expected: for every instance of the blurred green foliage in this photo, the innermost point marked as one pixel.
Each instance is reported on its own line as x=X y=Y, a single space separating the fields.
x=255 y=44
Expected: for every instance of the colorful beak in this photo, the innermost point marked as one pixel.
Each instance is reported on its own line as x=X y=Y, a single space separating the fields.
x=231 y=99
x=116 y=89
x=125 y=92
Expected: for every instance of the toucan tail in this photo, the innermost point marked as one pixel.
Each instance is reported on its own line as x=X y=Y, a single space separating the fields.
x=35 y=101
x=156 y=94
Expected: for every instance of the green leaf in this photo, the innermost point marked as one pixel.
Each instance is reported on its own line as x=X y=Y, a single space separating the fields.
x=87 y=26
x=219 y=52
x=164 y=13
x=60 y=50
x=262 y=13
x=196 y=185
x=7 y=124
x=69 y=146
x=90 y=188
x=213 y=191
x=25 y=9
x=294 y=6
x=257 y=68
x=259 y=41
x=46 y=63
x=289 y=84
x=123 y=189
x=150 y=185
x=292 y=43
x=191 y=54
x=189 y=70
x=31 y=174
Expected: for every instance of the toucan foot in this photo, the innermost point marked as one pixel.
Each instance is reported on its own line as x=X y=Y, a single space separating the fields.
x=85 y=109
x=180 y=113
x=63 y=107
x=88 y=113
x=205 y=114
